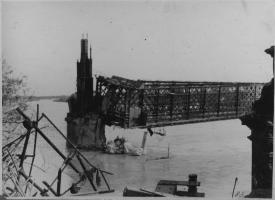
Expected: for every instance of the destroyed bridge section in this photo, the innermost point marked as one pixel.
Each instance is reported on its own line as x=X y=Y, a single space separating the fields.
x=147 y=104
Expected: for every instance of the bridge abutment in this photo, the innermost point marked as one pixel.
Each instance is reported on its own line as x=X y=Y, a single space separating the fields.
x=260 y=122
x=262 y=156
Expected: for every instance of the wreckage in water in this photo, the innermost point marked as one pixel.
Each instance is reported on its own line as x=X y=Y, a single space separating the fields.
x=146 y=104
x=18 y=168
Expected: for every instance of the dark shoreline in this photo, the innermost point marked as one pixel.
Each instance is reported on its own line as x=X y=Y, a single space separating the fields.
x=61 y=98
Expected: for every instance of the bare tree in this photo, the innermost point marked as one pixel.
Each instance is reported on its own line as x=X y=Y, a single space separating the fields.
x=14 y=94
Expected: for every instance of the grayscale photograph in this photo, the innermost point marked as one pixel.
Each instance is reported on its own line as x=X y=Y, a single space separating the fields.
x=113 y=99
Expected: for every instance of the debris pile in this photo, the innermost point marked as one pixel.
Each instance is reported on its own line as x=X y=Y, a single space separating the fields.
x=18 y=180
x=122 y=146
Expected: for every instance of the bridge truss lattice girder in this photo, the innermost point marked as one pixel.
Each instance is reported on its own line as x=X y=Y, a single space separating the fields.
x=170 y=103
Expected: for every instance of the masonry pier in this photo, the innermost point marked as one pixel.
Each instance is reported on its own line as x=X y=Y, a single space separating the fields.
x=85 y=128
x=260 y=122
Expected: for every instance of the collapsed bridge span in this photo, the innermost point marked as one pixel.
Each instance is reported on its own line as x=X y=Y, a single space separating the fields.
x=142 y=104
x=146 y=104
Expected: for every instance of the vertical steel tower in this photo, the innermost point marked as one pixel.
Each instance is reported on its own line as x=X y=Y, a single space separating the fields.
x=84 y=79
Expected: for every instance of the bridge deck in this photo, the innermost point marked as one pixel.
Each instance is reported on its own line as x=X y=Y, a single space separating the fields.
x=141 y=104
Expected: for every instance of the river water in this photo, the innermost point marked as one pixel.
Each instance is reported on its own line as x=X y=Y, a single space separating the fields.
x=217 y=151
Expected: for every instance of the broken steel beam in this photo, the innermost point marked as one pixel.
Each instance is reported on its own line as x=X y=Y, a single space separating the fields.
x=32 y=127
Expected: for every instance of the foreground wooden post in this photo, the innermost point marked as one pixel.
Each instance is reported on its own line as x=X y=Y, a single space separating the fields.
x=144 y=140
x=59 y=182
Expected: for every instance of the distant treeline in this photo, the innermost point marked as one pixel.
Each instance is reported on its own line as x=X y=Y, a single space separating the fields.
x=60 y=98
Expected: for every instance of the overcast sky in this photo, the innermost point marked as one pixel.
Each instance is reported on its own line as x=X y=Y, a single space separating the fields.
x=164 y=40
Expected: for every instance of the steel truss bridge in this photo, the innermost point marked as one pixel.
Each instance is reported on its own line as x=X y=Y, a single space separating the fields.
x=146 y=104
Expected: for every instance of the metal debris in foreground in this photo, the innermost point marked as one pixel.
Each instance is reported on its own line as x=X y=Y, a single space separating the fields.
x=19 y=182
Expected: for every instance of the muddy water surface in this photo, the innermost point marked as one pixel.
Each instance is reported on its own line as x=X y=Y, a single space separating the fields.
x=216 y=151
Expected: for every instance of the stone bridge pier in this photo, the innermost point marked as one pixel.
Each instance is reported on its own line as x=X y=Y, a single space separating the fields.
x=85 y=128
x=260 y=122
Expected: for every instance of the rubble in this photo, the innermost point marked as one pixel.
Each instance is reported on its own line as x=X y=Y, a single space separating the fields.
x=121 y=146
